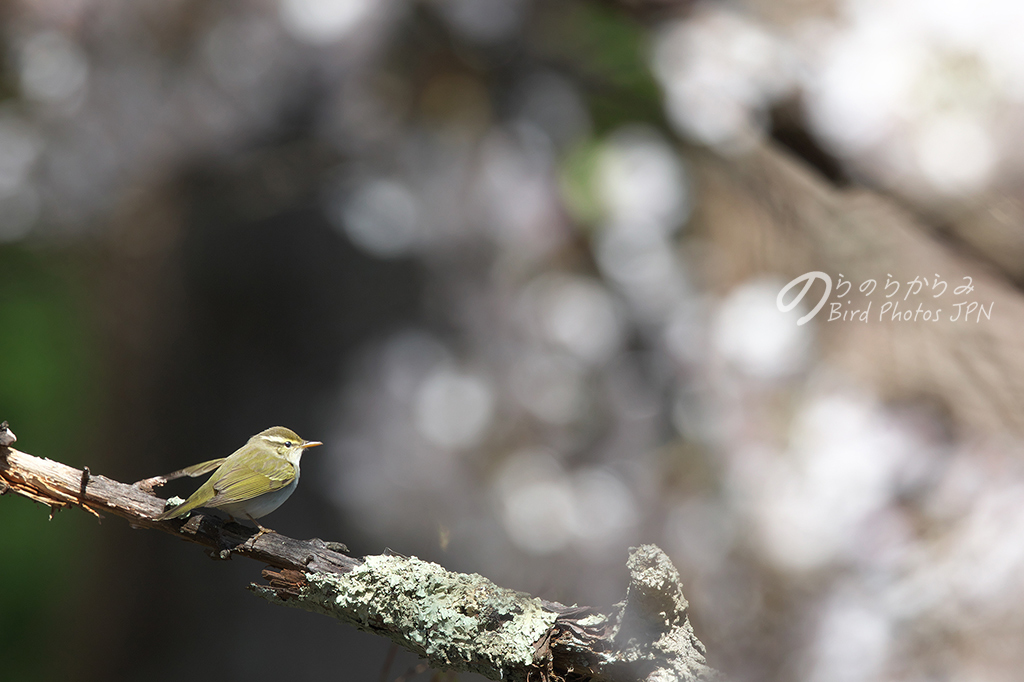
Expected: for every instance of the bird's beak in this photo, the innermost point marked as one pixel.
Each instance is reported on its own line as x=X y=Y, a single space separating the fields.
x=310 y=444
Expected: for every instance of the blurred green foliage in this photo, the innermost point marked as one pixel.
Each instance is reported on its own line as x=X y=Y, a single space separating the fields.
x=578 y=184
x=606 y=51
x=48 y=386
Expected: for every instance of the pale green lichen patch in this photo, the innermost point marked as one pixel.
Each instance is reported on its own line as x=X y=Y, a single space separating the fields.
x=653 y=625
x=461 y=621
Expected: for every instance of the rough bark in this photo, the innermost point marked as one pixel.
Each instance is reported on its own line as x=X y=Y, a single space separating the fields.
x=453 y=620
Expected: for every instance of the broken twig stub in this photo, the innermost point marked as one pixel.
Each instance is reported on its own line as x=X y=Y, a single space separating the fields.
x=7 y=437
x=467 y=623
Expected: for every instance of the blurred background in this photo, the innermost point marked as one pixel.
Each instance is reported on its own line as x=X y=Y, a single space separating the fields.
x=516 y=262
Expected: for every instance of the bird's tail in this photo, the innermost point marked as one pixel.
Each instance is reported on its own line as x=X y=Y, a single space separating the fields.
x=179 y=511
x=199 y=497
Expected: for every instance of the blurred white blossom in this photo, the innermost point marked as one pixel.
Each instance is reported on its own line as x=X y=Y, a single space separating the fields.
x=537 y=506
x=912 y=93
x=381 y=217
x=852 y=641
x=605 y=510
x=577 y=314
x=643 y=263
x=720 y=72
x=545 y=508
x=641 y=180
x=454 y=409
x=751 y=334
x=52 y=67
x=324 y=21
x=515 y=182
x=843 y=466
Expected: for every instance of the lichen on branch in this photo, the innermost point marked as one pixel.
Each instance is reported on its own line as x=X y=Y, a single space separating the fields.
x=455 y=621
x=463 y=621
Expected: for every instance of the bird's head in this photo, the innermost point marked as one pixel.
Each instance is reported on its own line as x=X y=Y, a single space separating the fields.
x=284 y=442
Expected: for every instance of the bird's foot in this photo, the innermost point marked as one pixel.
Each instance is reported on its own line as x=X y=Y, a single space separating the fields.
x=251 y=542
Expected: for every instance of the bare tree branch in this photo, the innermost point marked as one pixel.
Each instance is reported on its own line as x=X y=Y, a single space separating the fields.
x=773 y=215
x=453 y=620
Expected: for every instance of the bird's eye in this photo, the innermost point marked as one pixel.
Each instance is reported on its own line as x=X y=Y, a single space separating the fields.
x=287 y=443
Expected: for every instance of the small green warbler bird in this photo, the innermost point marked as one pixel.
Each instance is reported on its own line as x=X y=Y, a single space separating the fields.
x=253 y=481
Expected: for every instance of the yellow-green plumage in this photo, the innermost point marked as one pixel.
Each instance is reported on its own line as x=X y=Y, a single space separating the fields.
x=253 y=481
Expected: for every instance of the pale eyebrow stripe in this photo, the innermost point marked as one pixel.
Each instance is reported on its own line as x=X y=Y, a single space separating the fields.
x=276 y=439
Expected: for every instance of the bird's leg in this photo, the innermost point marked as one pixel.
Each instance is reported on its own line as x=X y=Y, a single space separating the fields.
x=251 y=542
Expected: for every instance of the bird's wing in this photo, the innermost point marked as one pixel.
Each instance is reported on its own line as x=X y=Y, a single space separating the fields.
x=246 y=479
x=196 y=470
